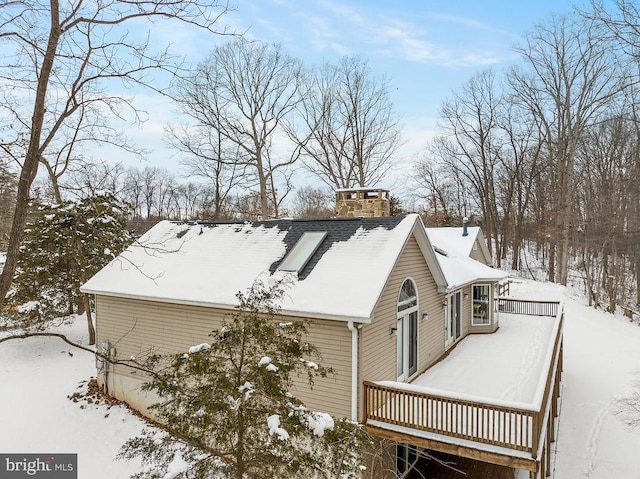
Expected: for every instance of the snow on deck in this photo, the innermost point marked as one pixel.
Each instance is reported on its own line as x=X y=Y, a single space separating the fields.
x=507 y=366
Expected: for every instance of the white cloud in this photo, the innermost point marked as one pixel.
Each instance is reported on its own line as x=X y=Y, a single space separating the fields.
x=344 y=12
x=403 y=40
x=323 y=34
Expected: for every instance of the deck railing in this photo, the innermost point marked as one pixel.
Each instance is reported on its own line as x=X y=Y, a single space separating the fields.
x=519 y=428
x=504 y=288
x=530 y=308
x=449 y=416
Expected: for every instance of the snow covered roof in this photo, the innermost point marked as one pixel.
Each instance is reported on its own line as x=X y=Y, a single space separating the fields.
x=460 y=270
x=452 y=253
x=451 y=239
x=207 y=264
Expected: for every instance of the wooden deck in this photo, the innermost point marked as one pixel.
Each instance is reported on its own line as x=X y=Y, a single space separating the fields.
x=490 y=431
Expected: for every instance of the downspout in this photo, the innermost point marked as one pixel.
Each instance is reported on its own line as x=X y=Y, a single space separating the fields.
x=354 y=370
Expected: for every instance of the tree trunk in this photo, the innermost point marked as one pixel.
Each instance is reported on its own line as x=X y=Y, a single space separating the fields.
x=87 y=309
x=55 y=186
x=552 y=262
x=637 y=272
x=32 y=159
x=264 y=199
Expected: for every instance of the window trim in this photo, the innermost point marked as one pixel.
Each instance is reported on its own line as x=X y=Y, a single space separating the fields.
x=474 y=320
x=400 y=314
x=298 y=257
x=453 y=324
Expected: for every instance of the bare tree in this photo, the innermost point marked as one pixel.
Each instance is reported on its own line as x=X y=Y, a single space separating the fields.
x=621 y=22
x=63 y=56
x=312 y=203
x=8 y=185
x=132 y=191
x=89 y=126
x=244 y=93
x=206 y=153
x=443 y=191
x=348 y=133
x=571 y=76
x=471 y=143
x=91 y=178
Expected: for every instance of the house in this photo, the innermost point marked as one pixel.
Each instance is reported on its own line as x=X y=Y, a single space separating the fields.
x=388 y=299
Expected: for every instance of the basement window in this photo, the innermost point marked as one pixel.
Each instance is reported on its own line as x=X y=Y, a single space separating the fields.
x=301 y=253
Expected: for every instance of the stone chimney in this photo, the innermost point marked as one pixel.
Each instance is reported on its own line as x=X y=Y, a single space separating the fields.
x=362 y=202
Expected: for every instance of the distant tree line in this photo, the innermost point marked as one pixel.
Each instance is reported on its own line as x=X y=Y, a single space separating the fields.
x=547 y=153
x=154 y=193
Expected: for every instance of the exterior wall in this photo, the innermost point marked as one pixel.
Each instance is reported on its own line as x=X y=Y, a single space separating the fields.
x=466 y=312
x=136 y=328
x=488 y=328
x=331 y=394
x=377 y=347
x=476 y=252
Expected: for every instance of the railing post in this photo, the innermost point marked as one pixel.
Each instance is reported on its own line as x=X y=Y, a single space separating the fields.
x=535 y=434
x=366 y=402
x=547 y=456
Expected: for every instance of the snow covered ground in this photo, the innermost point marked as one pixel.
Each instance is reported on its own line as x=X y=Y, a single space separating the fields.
x=601 y=361
x=36 y=376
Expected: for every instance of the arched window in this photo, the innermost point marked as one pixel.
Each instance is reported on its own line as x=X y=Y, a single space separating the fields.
x=407 y=330
x=408 y=298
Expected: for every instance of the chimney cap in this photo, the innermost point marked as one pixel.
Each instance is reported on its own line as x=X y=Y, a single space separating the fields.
x=361 y=188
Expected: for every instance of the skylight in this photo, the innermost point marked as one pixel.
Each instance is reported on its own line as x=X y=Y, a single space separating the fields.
x=301 y=253
x=441 y=251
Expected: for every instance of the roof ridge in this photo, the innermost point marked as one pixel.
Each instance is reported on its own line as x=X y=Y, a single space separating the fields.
x=397 y=218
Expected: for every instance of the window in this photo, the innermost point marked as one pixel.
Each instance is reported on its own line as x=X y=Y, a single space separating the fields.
x=407 y=331
x=481 y=304
x=408 y=297
x=301 y=253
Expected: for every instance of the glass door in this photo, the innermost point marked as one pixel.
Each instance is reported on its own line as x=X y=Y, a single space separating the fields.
x=407 y=331
x=453 y=318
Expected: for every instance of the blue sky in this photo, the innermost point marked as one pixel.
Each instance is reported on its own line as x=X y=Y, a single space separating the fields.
x=426 y=48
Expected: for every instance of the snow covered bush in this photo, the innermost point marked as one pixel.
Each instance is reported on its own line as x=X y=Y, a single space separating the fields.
x=228 y=410
x=64 y=245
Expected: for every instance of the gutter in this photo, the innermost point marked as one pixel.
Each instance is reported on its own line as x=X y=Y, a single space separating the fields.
x=456 y=287
x=224 y=306
x=354 y=370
